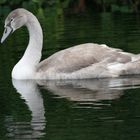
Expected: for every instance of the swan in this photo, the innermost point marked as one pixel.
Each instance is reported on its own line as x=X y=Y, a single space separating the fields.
x=84 y=61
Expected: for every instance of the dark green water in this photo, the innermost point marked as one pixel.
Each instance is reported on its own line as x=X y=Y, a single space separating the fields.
x=105 y=109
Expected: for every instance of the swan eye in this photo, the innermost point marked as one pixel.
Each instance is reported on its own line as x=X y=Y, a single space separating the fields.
x=12 y=19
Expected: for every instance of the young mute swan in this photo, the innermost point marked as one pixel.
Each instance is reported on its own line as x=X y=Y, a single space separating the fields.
x=79 y=62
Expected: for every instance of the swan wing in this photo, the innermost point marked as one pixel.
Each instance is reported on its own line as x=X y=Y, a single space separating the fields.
x=82 y=56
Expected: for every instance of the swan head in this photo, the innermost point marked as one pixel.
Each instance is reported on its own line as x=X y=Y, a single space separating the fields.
x=14 y=20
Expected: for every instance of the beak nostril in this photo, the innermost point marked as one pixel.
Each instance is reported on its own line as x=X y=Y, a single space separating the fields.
x=5 y=30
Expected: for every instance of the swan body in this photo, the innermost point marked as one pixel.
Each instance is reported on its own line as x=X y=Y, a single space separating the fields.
x=79 y=62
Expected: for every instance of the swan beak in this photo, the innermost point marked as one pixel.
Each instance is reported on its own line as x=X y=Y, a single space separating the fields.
x=6 y=33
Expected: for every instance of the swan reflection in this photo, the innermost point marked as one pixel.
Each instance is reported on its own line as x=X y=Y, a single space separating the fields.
x=81 y=91
x=30 y=93
x=90 y=90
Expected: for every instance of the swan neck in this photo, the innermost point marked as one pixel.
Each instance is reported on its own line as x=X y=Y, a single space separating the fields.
x=34 y=48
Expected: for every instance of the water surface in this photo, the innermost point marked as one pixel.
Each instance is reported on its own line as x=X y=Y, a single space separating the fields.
x=99 y=109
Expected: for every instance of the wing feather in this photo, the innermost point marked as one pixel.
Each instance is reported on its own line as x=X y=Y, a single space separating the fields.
x=82 y=56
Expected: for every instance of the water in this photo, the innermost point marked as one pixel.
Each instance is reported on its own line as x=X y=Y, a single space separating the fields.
x=103 y=109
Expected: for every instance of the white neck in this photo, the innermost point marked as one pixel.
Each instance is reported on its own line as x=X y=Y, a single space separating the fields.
x=26 y=67
x=33 y=51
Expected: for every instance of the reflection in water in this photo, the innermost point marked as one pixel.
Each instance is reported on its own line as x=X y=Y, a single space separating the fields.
x=84 y=93
x=92 y=109
x=31 y=94
x=90 y=90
